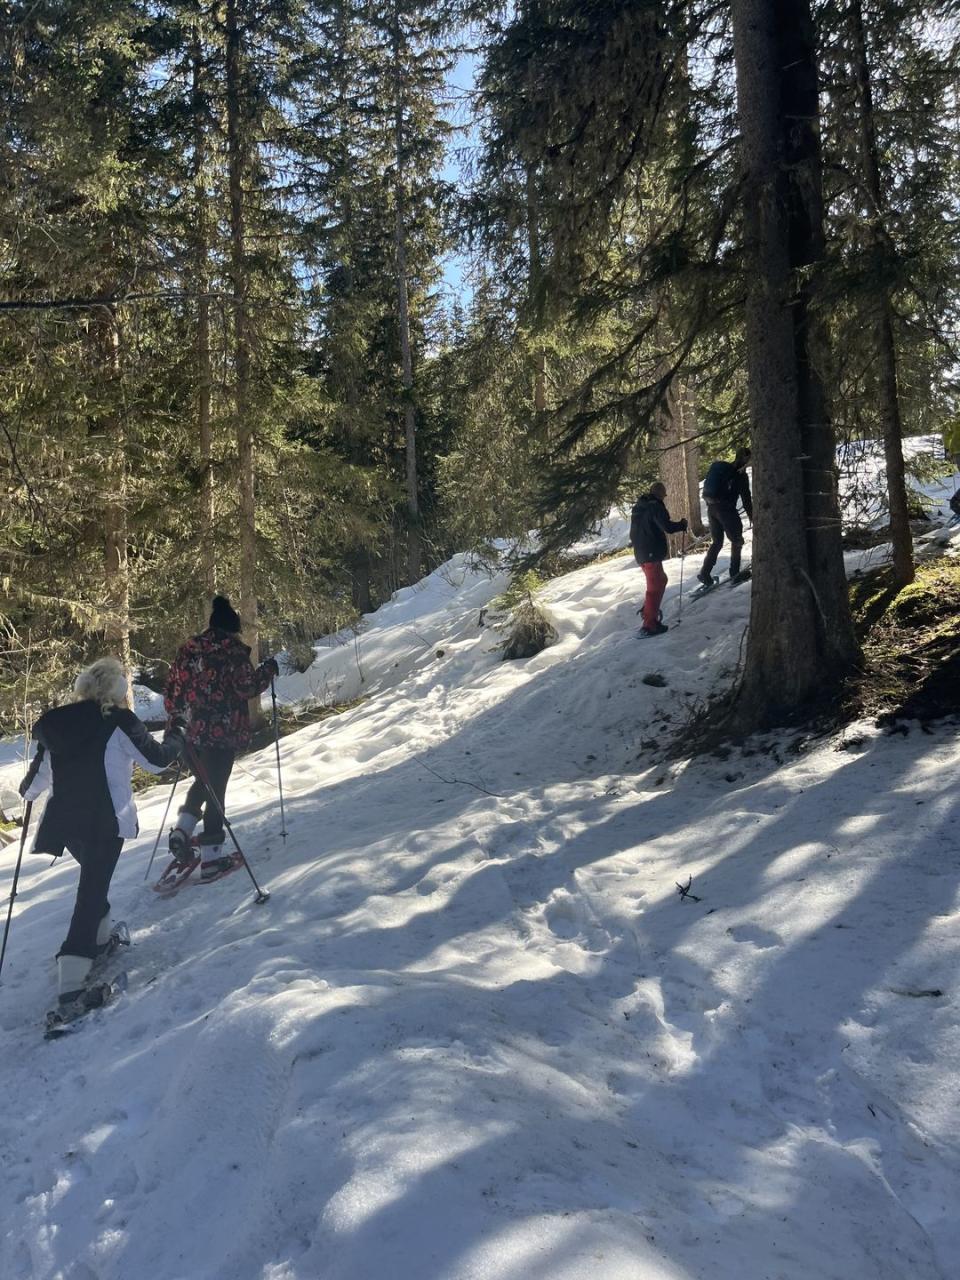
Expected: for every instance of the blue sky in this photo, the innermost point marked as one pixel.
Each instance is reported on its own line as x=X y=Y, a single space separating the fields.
x=460 y=83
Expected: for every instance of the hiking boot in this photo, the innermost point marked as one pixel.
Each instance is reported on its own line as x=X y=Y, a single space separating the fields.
x=705 y=578
x=180 y=845
x=657 y=629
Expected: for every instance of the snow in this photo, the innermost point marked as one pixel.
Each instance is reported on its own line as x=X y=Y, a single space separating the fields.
x=863 y=478
x=438 y=611
x=148 y=704
x=476 y=1034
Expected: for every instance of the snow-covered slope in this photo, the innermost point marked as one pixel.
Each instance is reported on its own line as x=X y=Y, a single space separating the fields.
x=476 y=1034
x=862 y=478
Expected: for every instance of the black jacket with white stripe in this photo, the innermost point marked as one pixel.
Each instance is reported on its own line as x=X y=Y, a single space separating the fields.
x=85 y=758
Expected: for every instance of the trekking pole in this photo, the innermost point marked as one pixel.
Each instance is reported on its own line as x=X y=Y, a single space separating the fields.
x=163 y=820
x=16 y=878
x=201 y=773
x=276 y=742
x=683 y=552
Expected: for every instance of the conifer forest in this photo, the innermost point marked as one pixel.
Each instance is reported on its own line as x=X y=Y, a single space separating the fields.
x=479 y=639
x=300 y=297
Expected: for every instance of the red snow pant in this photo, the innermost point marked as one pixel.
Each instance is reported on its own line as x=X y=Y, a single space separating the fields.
x=656 y=585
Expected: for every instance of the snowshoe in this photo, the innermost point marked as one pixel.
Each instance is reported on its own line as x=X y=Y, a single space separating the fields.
x=119 y=937
x=217 y=868
x=657 y=629
x=64 y=1019
x=743 y=576
x=176 y=874
x=704 y=588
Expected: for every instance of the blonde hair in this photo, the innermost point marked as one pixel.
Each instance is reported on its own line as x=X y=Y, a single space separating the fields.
x=105 y=682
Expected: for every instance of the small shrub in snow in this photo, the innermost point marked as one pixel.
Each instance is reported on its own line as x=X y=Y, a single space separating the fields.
x=529 y=630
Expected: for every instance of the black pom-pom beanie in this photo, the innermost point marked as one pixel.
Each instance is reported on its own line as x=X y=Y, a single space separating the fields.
x=223 y=616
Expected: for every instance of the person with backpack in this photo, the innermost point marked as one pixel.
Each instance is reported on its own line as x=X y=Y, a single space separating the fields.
x=726 y=484
x=649 y=525
x=85 y=756
x=210 y=683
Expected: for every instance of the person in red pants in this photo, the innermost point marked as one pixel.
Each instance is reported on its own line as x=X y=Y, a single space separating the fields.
x=649 y=525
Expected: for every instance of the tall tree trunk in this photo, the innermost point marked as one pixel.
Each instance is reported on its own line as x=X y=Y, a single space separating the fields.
x=679 y=461
x=802 y=167
x=208 y=569
x=358 y=566
x=349 y=369
x=403 y=317
x=672 y=463
x=535 y=300
x=903 y=567
x=115 y=557
x=801 y=638
x=691 y=452
x=238 y=163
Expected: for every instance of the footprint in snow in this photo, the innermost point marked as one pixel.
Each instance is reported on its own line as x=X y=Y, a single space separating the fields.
x=568 y=921
x=760 y=938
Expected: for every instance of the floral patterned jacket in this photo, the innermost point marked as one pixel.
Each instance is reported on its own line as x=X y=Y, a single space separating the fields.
x=210 y=682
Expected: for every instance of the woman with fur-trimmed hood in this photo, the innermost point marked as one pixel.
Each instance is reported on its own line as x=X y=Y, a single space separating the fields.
x=85 y=757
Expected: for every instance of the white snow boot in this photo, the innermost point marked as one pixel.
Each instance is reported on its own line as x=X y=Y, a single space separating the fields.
x=73 y=972
x=104 y=929
x=214 y=862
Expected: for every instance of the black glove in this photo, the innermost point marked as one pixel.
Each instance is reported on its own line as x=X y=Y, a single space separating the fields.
x=683 y=525
x=32 y=771
x=176 y=734
x=272 y=668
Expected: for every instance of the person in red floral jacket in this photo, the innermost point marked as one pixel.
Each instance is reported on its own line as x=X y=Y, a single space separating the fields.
x=210 y=683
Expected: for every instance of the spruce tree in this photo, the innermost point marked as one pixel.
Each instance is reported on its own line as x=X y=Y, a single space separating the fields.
x=801 y=640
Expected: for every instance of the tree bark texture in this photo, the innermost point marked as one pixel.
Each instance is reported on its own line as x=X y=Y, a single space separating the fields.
x=801 y=638
x=208 y=568
x=678 y=463
x=534 y=286
x=238 y=164
x=672 y=462
x=878 y=244
x=691 y=448
x=116 y=568
x=403 y=318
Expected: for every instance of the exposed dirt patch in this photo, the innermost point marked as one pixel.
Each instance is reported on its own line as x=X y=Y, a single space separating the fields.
x=911 y=644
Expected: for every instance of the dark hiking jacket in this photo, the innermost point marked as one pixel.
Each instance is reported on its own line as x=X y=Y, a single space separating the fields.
x=210 y=683
x=649 y=525
x=726 y=483
x=85 y=759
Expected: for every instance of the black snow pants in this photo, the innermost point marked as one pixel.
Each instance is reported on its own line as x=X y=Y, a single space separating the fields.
x=216 y=764
x=98 y=861
x=724 y=519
